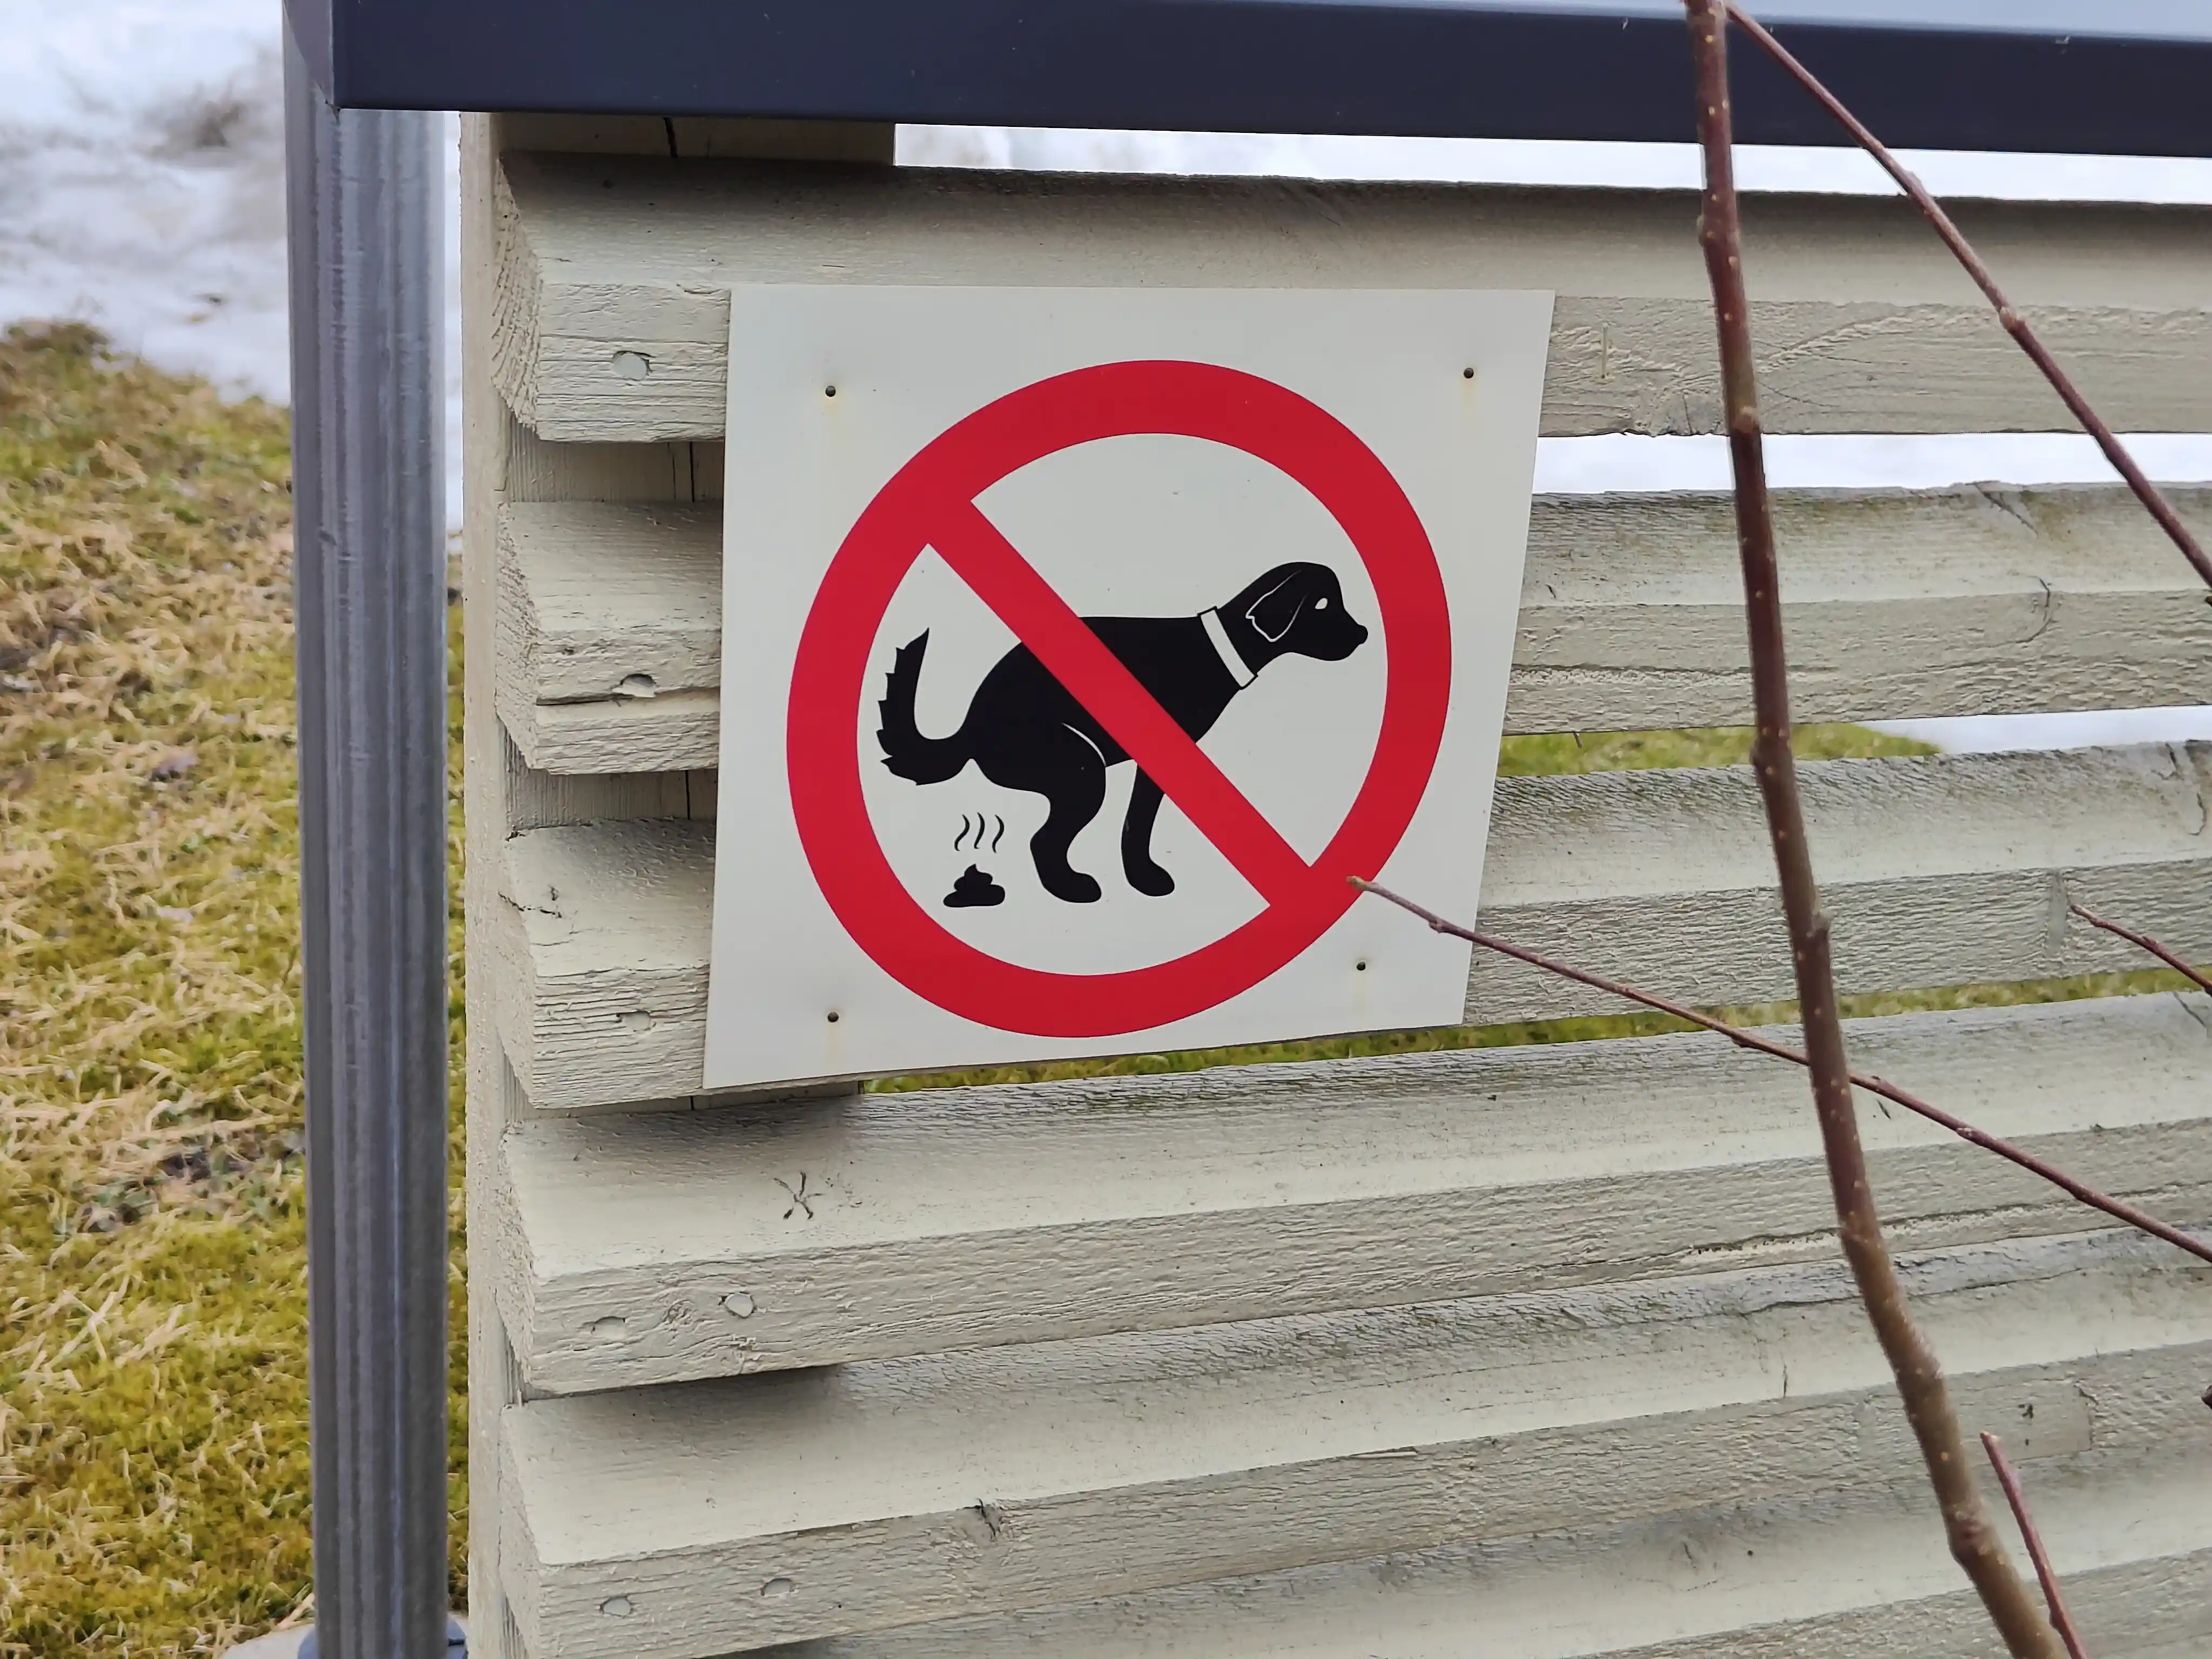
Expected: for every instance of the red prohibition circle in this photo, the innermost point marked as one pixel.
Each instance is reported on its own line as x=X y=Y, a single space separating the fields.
x=930 y=492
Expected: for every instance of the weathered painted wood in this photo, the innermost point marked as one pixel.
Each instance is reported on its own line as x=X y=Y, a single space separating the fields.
x=1944 y=870
x=667 y=1246
x=1947 y=871
x=610 y=599
x=614 y=273
x=506 y=464
x=693 y=1521
x=997 y=1488
x=611 y=635
x=495 y=787
x=1901 y=605
x=1857 y=1576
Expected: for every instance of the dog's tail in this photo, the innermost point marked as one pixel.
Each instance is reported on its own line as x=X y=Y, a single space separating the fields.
x=908 y=753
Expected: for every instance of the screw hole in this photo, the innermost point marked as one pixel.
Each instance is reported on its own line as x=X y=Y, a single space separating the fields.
x=1359 y=967
x=833 y=1016
x=1467 y=375
x=828 y=391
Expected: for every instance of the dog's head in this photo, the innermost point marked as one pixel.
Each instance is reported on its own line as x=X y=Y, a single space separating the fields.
x=1300 y=608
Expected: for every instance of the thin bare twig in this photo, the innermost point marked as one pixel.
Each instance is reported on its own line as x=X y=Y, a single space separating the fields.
x=2119 y=1209
x=1973 y=1540
x=2144 y=942
x=2149 y=494
x=2009 y=1478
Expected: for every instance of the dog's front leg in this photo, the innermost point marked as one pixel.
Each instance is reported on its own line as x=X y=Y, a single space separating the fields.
x=1143 y=875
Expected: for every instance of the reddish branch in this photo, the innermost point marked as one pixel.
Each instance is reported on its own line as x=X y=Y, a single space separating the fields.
x=2119 y=1209
x=2009 y=1478
x=2014 y=324
x=2143 y=941
x=1974 y=1541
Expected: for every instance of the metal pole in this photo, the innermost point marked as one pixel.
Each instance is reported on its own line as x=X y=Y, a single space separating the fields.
x=369 y=498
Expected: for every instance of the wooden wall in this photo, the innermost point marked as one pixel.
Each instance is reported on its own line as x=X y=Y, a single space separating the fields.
x=1523 y=1353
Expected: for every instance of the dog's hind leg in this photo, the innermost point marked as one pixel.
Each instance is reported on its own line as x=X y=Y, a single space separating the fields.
x=1076 y=788
x=1146 y=877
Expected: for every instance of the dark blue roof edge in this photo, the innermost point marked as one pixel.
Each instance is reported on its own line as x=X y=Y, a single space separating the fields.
x=1385 y=67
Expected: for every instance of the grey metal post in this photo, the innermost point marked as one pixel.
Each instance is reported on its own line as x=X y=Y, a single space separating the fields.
x=369 y=496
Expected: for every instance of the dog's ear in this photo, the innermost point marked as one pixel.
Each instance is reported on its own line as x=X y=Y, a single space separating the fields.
x=1276 y=608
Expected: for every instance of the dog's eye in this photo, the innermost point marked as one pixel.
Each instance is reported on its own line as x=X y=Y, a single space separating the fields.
x=1321 y=604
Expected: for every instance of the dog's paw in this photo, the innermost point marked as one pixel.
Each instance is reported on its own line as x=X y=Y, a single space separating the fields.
x=1150 y=880
x=1072 y=886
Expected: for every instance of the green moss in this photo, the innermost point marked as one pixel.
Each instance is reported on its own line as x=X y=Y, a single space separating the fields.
x=1552 y=753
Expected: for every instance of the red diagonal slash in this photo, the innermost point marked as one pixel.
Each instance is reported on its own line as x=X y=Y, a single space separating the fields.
x=1095 y=676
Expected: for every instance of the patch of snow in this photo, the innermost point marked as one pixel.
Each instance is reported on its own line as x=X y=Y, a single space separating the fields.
x=142 y=168
x=1979 y=734
x=1587 y=465
x=141 y=186
x=1992 y=174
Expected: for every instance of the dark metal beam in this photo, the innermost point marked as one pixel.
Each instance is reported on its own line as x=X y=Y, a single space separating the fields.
x=2112 y=77
x=368 y=285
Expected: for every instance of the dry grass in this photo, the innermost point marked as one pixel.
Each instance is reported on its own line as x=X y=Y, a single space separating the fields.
x=153 y=1446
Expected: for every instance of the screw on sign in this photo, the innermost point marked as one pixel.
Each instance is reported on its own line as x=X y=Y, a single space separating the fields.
x=1070 y=701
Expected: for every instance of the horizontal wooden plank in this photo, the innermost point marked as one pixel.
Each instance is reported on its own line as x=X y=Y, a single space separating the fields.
x=667 y=1246
x=1901 y=605
x=1941 y=871
x=614 y=274
x=1947 y=870
x=696 y=1520
x=1851 y=1575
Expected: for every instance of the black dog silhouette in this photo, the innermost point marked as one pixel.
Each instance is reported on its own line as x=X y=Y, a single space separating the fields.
x=1023 y=731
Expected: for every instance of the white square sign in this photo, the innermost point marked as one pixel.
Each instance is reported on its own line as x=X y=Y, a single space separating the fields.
x=1079 y=644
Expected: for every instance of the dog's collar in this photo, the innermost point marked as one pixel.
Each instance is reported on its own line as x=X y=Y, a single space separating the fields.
x=1230 y=658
